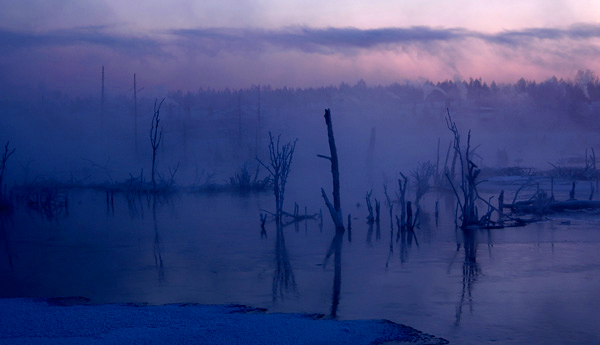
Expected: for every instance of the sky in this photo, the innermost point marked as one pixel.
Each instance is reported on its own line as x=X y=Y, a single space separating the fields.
x=186 y=44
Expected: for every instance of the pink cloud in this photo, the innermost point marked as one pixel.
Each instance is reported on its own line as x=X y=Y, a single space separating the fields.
x=187 y=59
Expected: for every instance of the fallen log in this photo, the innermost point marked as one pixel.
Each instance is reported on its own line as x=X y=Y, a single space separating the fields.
x=555 y=206
x=518 y=204
x=559 y=206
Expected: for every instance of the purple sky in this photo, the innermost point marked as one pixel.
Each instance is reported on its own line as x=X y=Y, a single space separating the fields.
x=185 y=44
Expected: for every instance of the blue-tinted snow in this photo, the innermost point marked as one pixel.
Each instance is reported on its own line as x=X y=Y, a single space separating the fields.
x=28 y=321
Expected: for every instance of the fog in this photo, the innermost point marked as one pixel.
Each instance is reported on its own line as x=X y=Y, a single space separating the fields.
x=207 y=245
x=98 y=98
x=380 y=130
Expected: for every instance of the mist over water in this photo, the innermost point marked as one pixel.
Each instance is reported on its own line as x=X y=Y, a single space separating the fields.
x=532 y=284
x=536 y=284
x=214 y=132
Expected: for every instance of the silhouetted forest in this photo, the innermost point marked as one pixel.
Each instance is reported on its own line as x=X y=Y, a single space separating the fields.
x=211 y=131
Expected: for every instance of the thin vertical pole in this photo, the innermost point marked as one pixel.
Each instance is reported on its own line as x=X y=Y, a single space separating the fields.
x=102 y=94
x=257 y=144
x=135 y=131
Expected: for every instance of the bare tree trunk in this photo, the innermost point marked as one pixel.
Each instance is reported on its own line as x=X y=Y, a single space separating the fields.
x=102 y=94
x=135 y=115
x=280 y=161
x=371 y=155
x=335 y=210
x=257 y=143
x=155 y=138
x=5 y=156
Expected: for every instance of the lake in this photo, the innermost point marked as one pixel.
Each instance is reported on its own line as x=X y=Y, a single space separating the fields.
x=534 y=284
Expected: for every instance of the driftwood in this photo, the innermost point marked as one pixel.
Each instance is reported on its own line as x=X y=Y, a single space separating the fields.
x=295 y=217
x=555 y=206
x=539 y=203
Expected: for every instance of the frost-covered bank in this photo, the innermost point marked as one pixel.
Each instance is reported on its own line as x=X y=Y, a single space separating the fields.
x=29 y=321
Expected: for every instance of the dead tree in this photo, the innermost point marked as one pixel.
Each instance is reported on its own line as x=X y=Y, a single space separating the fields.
x=467 y=181
x=440 y=179
x=370 y=217
x=5 y=156
x=257 y=144
x=391 y=210
x=411 y=223
x=572 y=192
x=402 y=183
x=371 y=154
x=284 y=281
x=422 y=174
x=590 y=164
x=280 y=162
x=102 y=94
x=336 y=209
x=135 y=114
x=155 y=138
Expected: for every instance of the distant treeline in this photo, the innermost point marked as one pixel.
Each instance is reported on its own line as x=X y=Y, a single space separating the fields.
x=218 y=131
x=584 y=88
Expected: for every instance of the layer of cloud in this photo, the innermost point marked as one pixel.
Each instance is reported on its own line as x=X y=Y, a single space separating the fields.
x=291 y=55
x=91 y=36
x=311 y=40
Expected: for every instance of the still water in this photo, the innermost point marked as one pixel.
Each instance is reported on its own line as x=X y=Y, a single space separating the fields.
x=534 y=284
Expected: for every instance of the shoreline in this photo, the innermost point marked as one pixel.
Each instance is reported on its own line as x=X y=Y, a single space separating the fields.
x=71 y=321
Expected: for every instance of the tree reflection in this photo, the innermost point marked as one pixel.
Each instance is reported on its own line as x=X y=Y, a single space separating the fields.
x=335 y=249
x=283 y=278
x=5 y=217
x=470 y=271
x=370 y=233
x=135 y=205
x=157 y=250
x=403 y=243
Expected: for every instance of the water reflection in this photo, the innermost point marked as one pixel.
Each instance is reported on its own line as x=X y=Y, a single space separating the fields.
x=320 y=221
x=401 y=235
x=89 y=246
x=406 y=232
x=284 y=281
x=370 y=233
x=157 y=249
x=135 y=205
x=470 y=272
x=6 y=217
x=50 y=203
x=110 y=202
x=263 y=231
x=335 y=249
